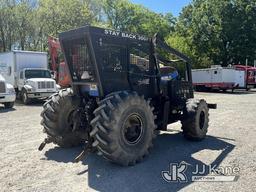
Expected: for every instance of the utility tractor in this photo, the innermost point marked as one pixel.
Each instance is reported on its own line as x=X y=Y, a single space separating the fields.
x=124 y=91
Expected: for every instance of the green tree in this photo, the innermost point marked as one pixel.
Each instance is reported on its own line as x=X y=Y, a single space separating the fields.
x=16 y=18
x=26 y=24
x=125 y=16
x=60 y=15
x=219 y=31
x=7 y=24
x=23 y=15
x=56 y=16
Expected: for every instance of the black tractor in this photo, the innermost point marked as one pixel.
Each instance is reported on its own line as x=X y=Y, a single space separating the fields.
x=125 y=89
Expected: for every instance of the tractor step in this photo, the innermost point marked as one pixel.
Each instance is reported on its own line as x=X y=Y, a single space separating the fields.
x=212 y=105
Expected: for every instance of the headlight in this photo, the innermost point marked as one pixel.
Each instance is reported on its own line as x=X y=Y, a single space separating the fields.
x=58 y=87
x=29 y=88
x=11 y=91
x=33 y=89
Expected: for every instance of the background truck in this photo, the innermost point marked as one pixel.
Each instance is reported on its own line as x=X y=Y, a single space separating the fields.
x=7 y=93
x=250 y=75
x=217 y=77
x=28 y=72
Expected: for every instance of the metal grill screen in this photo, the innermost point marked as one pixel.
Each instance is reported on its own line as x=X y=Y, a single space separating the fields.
x=2 y=87
x=78 y=59
x=45 y=85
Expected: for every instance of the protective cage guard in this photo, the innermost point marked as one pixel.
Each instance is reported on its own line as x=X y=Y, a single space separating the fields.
x=94 y=39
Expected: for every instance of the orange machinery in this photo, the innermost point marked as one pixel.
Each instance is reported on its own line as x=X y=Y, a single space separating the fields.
x=58 y=65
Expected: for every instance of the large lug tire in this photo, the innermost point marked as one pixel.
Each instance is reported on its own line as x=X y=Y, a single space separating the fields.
x=123 y=128
x=8 y=105
x=24 y=97
x=58 y=119
x=196 y=120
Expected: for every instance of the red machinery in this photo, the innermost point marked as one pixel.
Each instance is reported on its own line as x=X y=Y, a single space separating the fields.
x=250 y=75
x=58 y=66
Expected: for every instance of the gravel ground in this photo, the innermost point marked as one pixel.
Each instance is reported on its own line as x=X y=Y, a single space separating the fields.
x=231 y=141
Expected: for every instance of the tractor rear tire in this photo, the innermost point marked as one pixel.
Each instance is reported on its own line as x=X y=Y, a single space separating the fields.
x=123 y=128
x=196 y=120
x=58 y=119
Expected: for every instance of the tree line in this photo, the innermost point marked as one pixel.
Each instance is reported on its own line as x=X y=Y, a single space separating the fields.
x=208 y=31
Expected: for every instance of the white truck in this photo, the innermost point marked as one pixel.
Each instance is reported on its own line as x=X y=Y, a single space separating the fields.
x=217 y=77
x=28 y=72
x=7 y=93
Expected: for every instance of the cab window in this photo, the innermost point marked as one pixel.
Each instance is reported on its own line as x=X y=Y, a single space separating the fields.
x=139 y=58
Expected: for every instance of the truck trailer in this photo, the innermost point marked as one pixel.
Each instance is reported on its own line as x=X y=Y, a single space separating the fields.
x=220 y=78
x=250 y=75
x=28 y=72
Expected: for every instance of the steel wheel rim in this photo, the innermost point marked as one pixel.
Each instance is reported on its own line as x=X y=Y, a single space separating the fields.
x=133 y=129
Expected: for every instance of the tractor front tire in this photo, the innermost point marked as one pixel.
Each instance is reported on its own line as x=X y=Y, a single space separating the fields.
x=196 y=120
x=123 y=128
x=58 y=119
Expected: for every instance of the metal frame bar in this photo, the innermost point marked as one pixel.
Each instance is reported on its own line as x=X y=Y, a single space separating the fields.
x=162 y=45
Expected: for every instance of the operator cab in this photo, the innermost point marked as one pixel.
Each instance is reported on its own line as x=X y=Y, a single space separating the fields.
x=100 y=58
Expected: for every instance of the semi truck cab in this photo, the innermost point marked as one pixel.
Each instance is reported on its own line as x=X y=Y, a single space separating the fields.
x=7 y=93
x=28 y=72
x=35 y=84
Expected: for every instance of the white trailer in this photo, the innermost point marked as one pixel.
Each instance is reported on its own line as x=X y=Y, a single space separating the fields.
x=218 y=77
x=28 y=72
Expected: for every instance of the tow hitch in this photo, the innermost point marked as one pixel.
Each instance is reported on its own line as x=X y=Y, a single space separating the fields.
x=212 y=105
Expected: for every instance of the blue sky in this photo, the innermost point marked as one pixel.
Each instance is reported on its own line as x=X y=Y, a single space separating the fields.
x=164 y=6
